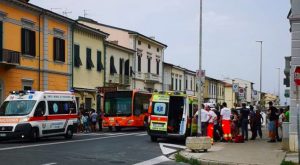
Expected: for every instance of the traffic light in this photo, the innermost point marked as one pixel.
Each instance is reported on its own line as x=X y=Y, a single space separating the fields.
x=286 y=80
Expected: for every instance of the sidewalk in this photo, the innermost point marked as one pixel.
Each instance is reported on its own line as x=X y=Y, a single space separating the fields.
x=251 y=152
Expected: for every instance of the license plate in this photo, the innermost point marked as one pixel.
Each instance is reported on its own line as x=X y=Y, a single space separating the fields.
x=2 y=135
x=158 y=125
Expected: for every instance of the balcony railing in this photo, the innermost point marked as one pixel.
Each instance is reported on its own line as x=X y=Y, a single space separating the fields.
x=9 y=57
x=119 y=79
x=152 y=77
x=113 y=78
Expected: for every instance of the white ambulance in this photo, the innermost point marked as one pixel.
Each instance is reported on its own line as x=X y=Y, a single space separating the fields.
x=35 y=114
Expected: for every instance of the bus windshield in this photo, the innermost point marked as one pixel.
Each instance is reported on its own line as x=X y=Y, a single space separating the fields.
x=17 y=108
x=118 y=103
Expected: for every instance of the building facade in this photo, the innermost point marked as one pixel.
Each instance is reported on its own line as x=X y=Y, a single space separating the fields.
x=294 y=18
x=213 y=91
x=230 y=96
x=190 y=82
x=118 y=66
x=246 y=88
x=35 y=48
x=88 y=70
x=148 y=59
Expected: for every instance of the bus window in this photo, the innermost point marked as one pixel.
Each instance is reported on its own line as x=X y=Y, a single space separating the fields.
x=118 y=103
x=141 y=103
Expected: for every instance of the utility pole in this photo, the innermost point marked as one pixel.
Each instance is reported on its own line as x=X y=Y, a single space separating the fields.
x=260 y=73
x=200 y=70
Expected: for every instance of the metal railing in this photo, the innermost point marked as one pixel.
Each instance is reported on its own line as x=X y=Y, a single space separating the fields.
x=151 y=77
x=10 y=57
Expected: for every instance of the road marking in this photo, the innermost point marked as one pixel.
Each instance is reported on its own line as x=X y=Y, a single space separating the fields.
x=64 y=142
x=98 y=134
x=156 y=160
x=167 y=148
x=144 y=134
x=49 y=164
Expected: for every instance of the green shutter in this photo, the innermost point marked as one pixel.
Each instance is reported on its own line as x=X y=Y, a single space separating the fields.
x=63 y=50
x=54 y=49
x=99 y=63
x=1 y=41
x=32 y=43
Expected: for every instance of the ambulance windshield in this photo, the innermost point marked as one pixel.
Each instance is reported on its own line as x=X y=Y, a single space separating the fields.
x=17 y=107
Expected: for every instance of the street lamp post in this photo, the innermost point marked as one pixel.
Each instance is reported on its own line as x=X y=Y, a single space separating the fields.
x=278 y=86
x=260 y=73
x=200 y=70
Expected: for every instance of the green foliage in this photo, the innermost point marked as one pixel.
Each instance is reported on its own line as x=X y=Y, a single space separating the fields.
x=287 y=163
x=180 y=158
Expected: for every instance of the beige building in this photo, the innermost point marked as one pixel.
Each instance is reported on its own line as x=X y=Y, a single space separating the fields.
x=148 y=58
x=190 y=82
x=88 y=70
x=118 y=66
x=229 y=96
x=214 y=91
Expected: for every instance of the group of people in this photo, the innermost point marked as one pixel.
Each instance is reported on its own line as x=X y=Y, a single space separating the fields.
x=232 y=124
x=88 y=120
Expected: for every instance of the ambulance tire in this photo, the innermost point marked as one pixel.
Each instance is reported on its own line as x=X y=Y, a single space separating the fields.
x=69 y=133
x=153 y=139
x=34 y=135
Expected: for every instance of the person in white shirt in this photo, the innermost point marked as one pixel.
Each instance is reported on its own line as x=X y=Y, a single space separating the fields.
x=226 y=122
x=210 y=128
x=204 y=120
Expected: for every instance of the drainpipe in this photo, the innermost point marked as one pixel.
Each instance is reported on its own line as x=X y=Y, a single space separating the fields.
x=72 y=56
x=134 y=59
x=163 y=69
x=39 y=70
x=104 y=80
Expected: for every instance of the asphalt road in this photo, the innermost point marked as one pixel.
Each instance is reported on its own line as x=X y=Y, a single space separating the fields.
x=126 y=147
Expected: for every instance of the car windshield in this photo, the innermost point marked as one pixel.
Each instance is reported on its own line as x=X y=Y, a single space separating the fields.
x=17 y=108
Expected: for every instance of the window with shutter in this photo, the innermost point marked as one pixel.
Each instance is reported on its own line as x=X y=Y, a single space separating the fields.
x=89 y=62
x=121 y=66
x=77 y=60
x=149 y=65
x=157 y=67
x=99 y=61
x=112 y=66
x=58 y=49
x=139 y=63
x=28 y=43
x=1 y=39
x=127 y=68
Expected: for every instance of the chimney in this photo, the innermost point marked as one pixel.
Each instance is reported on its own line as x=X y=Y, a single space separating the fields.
x=115 y=42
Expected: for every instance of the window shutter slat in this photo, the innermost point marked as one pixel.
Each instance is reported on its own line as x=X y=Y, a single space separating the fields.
x=32 y=43
x=54 y=49
x=62 y=48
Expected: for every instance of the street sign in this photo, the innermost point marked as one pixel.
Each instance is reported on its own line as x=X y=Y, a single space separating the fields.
x=241 y=93
x=235 y=87
x=201 y=75
x=297 y=76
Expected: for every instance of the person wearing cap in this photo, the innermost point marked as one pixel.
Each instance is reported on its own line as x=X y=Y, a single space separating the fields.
x=211 y=122
x=226 y=122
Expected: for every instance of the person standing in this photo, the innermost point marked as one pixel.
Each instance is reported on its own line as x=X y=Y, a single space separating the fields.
x=94 y=118
x=244 y=121
x=272 y=125
x=280 y=121
x=226 y=122
x=211 y=122
x=252 y=124
x=204 y=120
x=257 y=120
x=235 y=124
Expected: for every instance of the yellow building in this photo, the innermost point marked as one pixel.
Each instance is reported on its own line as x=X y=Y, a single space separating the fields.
x=35 y=48
x=230 y=96
x=88 y=70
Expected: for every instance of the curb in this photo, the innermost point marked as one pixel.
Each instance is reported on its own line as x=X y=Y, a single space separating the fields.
x=214 y=162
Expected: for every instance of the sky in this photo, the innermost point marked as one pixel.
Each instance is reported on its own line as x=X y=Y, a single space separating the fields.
x=230 y=31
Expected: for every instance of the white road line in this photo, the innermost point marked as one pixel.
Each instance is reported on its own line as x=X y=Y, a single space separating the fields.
x=98 y=134
x=156 y=160
x=144 y=134
x=49 y=164
x=64 y=142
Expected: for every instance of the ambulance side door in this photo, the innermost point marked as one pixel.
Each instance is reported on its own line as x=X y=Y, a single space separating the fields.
x=40 y=116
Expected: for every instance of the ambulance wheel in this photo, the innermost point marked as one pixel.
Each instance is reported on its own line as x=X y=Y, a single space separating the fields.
x=118 y=128
x=34 y=135
x=69 y=133
x=153 y=139
x=110 y=128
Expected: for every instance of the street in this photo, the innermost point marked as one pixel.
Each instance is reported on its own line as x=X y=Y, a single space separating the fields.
x=126 y=147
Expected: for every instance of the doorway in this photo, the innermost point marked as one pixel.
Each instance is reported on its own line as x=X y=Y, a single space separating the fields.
x=175 y=113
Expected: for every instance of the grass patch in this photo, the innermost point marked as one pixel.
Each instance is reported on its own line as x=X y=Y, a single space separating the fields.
x=180 y=158
x=287 y=163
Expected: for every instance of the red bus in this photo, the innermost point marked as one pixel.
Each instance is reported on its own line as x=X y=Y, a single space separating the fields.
x=126 y=109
